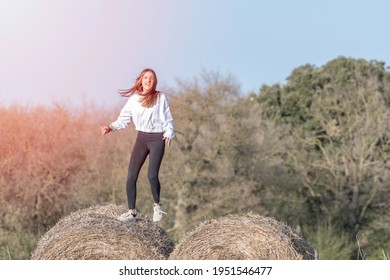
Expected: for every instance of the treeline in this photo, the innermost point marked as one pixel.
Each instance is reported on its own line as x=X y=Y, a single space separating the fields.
x=312 y=152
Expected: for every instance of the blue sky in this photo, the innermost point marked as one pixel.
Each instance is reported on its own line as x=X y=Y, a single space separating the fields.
x=72 y=51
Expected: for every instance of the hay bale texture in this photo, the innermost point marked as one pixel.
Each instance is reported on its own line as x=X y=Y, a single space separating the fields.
x=95 y=233
x=243 y=237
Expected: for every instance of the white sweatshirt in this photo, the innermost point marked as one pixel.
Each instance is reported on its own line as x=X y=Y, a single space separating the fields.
x=155 y=119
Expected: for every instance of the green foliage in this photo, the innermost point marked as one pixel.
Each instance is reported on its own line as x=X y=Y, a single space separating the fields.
x=310 y=89
x=16 y=241
x=336 y=130
x=329 y=243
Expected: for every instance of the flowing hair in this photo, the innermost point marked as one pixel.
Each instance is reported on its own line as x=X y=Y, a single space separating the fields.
x=149 y=98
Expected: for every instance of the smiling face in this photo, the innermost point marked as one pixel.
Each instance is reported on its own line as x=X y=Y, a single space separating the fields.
x=148 y=81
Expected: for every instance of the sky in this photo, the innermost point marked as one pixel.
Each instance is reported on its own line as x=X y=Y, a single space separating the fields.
x=83 y=51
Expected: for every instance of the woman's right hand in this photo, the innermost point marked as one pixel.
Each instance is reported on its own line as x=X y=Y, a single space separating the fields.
x=105 y=129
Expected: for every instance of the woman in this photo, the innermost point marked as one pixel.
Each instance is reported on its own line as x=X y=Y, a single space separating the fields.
x=150 y=113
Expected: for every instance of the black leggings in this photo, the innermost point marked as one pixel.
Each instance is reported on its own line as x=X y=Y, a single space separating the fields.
x=151 y=144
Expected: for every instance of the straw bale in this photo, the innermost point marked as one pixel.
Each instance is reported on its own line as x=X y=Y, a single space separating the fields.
x=95 y=233
x=243 y=237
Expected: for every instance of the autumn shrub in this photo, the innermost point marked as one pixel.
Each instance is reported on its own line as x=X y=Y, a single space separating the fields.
x=54 y=161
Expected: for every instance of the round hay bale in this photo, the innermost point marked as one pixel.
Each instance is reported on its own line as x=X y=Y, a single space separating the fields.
x=95 y=233
x=243 y=237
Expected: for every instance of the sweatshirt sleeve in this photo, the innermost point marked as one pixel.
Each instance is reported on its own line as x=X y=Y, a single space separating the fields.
x=124 y=118
x=167 y=119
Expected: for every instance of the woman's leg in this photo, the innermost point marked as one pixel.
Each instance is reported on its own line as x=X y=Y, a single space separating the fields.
x=156 y=154
x=137 y=159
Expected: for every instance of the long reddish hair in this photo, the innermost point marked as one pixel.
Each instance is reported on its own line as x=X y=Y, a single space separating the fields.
x=149 y=98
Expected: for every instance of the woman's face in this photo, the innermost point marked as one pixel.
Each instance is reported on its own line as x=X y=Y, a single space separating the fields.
x=147 y=81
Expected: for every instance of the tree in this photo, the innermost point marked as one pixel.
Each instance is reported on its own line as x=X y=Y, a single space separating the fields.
x=336 y=138
x=210 y=157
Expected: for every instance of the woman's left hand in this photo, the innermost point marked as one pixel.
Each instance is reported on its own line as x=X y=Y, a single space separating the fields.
x=167 y=140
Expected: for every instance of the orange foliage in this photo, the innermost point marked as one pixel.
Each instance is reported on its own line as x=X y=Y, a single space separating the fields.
x=54 y=160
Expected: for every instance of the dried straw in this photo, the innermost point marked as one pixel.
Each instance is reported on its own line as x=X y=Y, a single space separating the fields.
x=95 y=233
x=243 y=237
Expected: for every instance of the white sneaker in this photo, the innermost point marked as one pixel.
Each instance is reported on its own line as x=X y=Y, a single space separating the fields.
x=127 y=217
x=158 y=212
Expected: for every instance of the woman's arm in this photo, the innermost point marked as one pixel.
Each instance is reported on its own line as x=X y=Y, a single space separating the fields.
x=167 y=119
x=123 y=120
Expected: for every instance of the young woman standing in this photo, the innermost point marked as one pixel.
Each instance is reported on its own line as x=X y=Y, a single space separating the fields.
x=149 y=110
